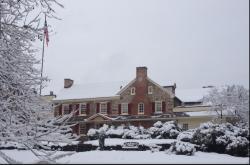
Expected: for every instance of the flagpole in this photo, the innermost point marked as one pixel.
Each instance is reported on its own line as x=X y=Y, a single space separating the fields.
x=42 y=61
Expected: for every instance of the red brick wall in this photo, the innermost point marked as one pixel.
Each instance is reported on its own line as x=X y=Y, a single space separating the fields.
x=141 y=92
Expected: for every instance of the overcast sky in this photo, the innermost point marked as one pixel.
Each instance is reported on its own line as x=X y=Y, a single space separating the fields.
x=192 y=43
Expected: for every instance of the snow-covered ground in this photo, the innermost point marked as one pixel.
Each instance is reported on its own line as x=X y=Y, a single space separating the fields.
x=127 y=157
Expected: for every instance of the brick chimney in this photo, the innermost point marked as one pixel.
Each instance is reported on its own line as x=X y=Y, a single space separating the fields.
x=141 y=92
x=68 y=83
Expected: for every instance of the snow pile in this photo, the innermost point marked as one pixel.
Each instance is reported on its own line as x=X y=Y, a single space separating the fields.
x=186 y=136
x=224 y=138
x=181 y=148
x=168 y=130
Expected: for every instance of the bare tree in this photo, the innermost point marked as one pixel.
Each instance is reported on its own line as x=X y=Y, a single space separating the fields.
x=22 y=110
x=228 y=101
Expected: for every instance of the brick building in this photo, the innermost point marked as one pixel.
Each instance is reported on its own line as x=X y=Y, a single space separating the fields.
x=138 y=102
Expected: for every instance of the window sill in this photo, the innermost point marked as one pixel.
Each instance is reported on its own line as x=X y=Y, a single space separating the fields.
x=104 y=113
x=140 y=113
x=150 y=93
x=132 y=93
x=124 y=114
x=82 y=115
x=158 y=112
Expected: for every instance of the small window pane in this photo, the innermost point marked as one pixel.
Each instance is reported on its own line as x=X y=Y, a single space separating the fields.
x=104 y=108
x=150 y=89
x=82 y=129
x=141 y=108
x=66 y=109
x=185 y=126
x=124 y=108
x=158 y=106
x=83 y=109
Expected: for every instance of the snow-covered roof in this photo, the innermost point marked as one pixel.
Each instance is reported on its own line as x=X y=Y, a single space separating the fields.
x=191 y=95
x=204 y=113
x=93 y=90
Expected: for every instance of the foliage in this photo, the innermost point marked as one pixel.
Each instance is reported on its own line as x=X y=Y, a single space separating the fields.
x=181 y=148
x=229 y=101
x=222 y=138
x=25 y=116
x=168 y=130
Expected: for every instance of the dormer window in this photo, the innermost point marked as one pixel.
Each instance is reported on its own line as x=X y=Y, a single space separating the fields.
x=150 y=90
x=133 y=91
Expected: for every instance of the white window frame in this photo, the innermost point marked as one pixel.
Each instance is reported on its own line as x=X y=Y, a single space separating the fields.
x=122 y=108
x=80 y=109
x=63 y=109
x=139 y=108
x=133 y=89
x=80 y=129
x=184 y=127
x=100 y=108
x=150 y=92
x=156 y=107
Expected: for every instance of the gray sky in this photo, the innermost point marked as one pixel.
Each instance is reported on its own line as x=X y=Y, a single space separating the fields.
x=193 y=43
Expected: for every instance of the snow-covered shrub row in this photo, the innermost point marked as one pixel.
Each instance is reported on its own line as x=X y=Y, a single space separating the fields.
x=168 y=130
x=181 y=148
x=120 y=132
x=222 y=138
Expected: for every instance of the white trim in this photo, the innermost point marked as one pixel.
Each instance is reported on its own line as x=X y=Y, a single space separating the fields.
x=139 y=108
x=126 y=87
x=149 y=90
x=80 y=110
x=132 y=90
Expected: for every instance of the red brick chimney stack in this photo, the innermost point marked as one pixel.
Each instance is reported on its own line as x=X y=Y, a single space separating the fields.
x=68 y=83
x=141 y=92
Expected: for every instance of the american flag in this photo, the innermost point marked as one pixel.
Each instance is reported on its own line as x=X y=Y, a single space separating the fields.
x=46 y=32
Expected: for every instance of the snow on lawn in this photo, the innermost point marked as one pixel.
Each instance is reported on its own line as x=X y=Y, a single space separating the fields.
x=146 y=157
x=116 y=141
x=128 y=157
x=26 y=156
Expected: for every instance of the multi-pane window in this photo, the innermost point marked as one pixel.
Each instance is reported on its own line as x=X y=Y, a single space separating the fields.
x=150 y=90
x=132 y=90
x=65 y=109
x=124 y=108
x=185 y=126
x=158 y=106
x=83 y=108
x=82 y=128
x=141 y=108
x=103 y=108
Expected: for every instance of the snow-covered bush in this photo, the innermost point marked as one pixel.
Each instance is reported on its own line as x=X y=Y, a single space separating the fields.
x=136 y=133
x=181 y=148
x=185 y=136
x=92 y=134
x=168 y=130
x=222 y=138
x=115 y=133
